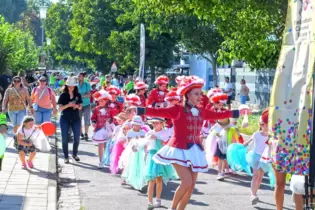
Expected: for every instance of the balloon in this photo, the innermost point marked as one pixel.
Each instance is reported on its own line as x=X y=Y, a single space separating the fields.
x=2 y=145
x=48 y=128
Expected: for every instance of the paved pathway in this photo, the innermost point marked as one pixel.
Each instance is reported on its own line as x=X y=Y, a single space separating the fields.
x=31 y=189
x=95 y=189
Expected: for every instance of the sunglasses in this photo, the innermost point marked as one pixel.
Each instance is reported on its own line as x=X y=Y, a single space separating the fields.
x=42 y=80
x=16 y=81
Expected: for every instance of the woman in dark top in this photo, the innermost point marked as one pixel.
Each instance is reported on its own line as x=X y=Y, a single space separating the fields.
x=70 y=102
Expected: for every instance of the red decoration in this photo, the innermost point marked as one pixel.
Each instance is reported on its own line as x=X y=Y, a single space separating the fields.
x=48 y=128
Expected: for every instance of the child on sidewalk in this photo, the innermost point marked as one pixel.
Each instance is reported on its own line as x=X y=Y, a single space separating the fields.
x=24 y=141
x=3 y=130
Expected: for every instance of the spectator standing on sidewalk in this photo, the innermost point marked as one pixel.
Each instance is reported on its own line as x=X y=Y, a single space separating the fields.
x=15 y=101
x=44 y=102
x=70 y=103
x=229 y=91
x=84 y=90
x=244 y=92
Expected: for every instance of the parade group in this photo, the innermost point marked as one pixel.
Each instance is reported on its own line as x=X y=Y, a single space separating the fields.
x=173 y=134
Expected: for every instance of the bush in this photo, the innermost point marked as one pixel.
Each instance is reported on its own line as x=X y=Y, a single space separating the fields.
x=253 y=124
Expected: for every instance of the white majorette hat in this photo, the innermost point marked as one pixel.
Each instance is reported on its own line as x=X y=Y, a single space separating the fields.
x=156 y=119
x=113 y=90
x=219 y=98
x=172 y=95
x=187 y=83
x=102 y=94
x=137 y=120
x=214 y=91
x=71 y=82
x=133 y=100
x=216 y=95
x=162 y=80
x=140 y=86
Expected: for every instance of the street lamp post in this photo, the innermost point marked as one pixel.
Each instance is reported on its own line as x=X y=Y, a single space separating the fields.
x=42 y=16
x=48 y=48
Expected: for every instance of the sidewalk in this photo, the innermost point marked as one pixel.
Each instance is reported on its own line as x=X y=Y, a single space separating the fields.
x=29 y=189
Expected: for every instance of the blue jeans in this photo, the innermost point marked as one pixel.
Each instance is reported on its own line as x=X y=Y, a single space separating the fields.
x=65 y=125
x=42 y=115
x=16 y=117
x=243 y=99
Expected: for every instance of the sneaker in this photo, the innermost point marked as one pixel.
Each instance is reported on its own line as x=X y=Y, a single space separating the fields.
x=123 y=182
x=30 y=164
x=24 y=166
x=76 y=158
x=150 y=206
x=86 y=137
x=157 y=203
x=101 y=165
x=82 y=136
x=66 y=160
x=220 y=176
x=254 y=199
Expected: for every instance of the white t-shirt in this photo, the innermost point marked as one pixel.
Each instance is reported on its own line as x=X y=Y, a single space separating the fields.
x=28 y=133
x=228 y=87
x=163 y=135
x=133 y=134
x=259 y=142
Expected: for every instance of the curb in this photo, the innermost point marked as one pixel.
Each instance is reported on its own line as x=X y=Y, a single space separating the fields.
x=52 y=183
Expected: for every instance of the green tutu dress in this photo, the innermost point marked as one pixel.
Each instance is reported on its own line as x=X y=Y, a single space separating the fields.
x=154 y=170
x=134 y=172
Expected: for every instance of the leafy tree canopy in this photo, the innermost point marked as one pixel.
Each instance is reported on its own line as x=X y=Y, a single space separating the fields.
x=17 y=48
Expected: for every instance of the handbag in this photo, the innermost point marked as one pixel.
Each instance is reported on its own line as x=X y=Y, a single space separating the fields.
x=35 y=105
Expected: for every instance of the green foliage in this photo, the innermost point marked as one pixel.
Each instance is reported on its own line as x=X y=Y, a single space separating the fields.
x=251 y=29
x=253 y=125
x=12 y=9
x=17 y=48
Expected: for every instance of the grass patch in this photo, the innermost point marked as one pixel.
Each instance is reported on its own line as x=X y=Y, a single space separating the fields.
x=253 y=126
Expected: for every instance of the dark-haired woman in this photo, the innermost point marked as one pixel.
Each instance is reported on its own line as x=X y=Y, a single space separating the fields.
x=15 y=101
x=70 y=102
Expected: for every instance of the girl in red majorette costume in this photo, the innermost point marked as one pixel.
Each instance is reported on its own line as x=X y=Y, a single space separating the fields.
x=114 y=105
x=101 y=118
x=184 y=150
x=172 y=99
x=141 y=87
x=157 y=95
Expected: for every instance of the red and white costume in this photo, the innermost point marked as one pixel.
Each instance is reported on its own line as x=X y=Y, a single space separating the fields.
x=171 y=96
x=132 y=100
x=141 y=86
x=114 y=106
x=101 y=117
x=156 y=97
x=185 y=146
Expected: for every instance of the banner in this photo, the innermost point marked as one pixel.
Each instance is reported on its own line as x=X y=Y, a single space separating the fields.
x=291 y=96
x=142 y=51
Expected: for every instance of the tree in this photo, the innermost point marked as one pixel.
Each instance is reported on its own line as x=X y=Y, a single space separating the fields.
x=12 y=9
x=197 y=36
x=17 y=48
x=252 y=30
x=111 y=29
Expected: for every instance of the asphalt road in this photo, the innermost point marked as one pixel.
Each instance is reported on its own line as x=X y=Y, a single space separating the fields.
x=99 y=190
